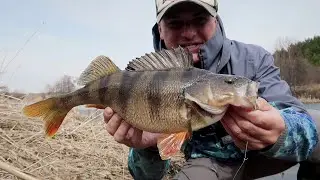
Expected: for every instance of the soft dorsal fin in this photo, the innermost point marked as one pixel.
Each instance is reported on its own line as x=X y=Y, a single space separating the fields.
x=164 y=59
x=101 y=66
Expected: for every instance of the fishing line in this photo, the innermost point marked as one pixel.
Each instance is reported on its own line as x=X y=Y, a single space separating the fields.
x=23 y=46
x=244 y=159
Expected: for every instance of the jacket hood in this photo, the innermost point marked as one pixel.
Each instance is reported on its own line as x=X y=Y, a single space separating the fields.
x=214 y=54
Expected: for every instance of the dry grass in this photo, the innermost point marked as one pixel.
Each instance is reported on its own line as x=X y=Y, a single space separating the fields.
x=82 y=148
x=309 y=100
x=308 y=93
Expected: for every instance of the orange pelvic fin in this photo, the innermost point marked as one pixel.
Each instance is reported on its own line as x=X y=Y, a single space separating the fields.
x=170 y=144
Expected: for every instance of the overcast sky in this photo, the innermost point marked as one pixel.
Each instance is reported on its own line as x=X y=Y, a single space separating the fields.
x=69 y=34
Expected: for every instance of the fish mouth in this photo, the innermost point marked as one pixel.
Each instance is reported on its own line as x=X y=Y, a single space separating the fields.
x=252 y=94
x=249 y=103
x=253 y=101
x=192 y=47
x=237 y=101
x=223 y=100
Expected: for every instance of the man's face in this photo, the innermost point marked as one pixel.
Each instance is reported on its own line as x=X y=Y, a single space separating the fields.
x=187 y=25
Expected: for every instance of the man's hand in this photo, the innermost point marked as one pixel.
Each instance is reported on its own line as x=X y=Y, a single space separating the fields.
x=260 y=128
x=125 y=133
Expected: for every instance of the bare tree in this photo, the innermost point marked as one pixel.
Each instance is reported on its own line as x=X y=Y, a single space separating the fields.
x=4 y=89
x=293 y=66
x=64 y=85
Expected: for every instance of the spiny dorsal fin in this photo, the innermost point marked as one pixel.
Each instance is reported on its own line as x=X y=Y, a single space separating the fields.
x=101 y=66
x=164 y=59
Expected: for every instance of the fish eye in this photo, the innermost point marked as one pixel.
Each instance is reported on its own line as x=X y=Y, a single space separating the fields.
x=229 y=81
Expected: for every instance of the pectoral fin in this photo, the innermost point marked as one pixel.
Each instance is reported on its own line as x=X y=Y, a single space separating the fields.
x=170 y=144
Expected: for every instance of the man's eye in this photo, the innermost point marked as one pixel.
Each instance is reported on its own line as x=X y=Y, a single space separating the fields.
x=175 y=24
x=196 y=22
x=200 y=21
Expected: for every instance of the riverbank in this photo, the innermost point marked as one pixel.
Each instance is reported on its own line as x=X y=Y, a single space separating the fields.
x=307 y=100
x=308 y=94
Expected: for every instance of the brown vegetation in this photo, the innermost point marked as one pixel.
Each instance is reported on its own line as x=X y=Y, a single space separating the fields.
x=298 y=70
x=308 y=93
x=82 y=148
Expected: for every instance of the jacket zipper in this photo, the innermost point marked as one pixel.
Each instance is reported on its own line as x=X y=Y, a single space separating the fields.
x=201 y=58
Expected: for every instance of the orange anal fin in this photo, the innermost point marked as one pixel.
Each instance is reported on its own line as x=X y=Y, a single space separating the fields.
x=53 y=122
x=170 y=144
x=98 y=106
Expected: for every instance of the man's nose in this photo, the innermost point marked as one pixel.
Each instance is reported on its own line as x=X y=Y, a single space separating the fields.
x=188 y=31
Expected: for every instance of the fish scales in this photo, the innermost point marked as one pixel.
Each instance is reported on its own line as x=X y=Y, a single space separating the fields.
x=154 y=92
x=126 y=89
x=155 y=101
x=159 y=92
x=165 y=99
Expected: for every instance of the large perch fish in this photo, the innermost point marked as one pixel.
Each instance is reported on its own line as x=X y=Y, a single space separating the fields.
x=160 y=92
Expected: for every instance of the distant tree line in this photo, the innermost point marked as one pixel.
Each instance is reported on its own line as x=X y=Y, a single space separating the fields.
x=299 y=62
x=63 y=85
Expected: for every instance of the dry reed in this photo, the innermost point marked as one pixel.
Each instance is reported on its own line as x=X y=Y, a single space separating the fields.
x=308 y=93
x=82 y=148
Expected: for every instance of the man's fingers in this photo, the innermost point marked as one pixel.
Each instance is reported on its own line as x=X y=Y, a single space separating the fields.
x=113 y=124
x=251 y=146
x=236 y=131
x=236 y=140
x=136 y=136
x=255 y=117
x=250 y=128
x=242 y=143
x=121 y=133
x=107 y=114
x=259 y=135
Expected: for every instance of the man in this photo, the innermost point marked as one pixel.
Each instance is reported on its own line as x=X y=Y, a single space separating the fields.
x=280 y=130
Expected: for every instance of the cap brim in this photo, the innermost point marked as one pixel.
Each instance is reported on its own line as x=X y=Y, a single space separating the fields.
x=209 y=8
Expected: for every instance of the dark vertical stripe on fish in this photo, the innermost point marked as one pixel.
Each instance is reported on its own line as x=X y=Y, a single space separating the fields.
x=128 y=82
x=154 y=92
x=186 y=75
x=84 y=96
x=103 y=90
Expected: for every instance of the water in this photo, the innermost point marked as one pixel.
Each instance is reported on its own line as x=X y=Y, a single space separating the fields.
x=313 y=106
x=291 y=174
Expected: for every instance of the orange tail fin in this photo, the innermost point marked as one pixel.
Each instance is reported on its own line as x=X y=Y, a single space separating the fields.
x=49 y=112
x=170 y=144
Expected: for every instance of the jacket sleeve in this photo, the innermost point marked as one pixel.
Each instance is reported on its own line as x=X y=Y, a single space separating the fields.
x=300 y=137
x=146 y=164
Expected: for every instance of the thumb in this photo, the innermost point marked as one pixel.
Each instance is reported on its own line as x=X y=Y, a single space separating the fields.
x=263 y=105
